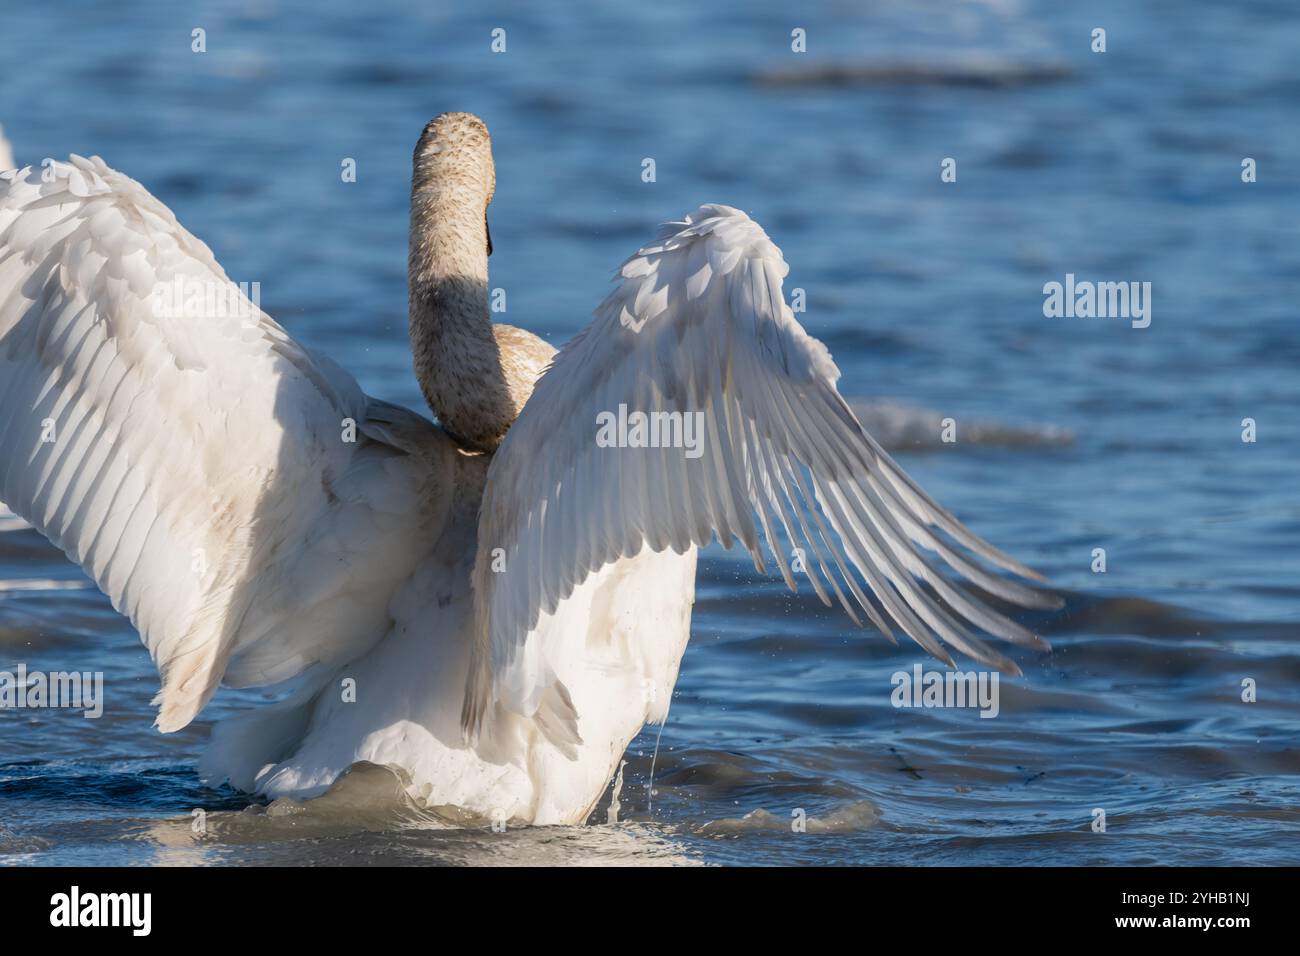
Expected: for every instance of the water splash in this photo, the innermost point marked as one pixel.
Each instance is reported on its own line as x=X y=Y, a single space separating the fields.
x=611 y=815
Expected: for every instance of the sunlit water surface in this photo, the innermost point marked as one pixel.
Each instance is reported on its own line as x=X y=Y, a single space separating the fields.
x=1072 y=434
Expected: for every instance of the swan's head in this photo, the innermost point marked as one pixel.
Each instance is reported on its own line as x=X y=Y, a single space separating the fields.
x=453 y=170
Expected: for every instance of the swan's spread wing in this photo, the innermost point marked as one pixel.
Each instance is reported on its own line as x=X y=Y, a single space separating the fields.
x=697 y=351
x=242 y=502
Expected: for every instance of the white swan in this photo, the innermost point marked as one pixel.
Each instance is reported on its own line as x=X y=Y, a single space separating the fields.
x=506 y=598
x=6 y=153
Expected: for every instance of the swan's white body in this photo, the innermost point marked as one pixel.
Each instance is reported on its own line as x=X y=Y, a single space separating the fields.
x=495 y=625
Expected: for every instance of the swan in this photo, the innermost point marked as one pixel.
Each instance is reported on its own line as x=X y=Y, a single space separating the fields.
x=492 y=606
x=6 y=152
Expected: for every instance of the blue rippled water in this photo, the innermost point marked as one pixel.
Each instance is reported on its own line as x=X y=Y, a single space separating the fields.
x=1073 y=434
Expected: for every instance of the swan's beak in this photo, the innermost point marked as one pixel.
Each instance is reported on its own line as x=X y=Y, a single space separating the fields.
x=488 y=232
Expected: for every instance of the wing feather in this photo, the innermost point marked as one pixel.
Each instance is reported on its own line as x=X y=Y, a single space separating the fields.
x=194 y=465
x=697 y=325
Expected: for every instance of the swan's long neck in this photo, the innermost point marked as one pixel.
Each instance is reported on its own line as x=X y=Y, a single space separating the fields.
x=457 y=360
x=476 y=376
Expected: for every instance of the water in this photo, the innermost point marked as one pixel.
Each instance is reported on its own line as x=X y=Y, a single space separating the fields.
x=1073 y=434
